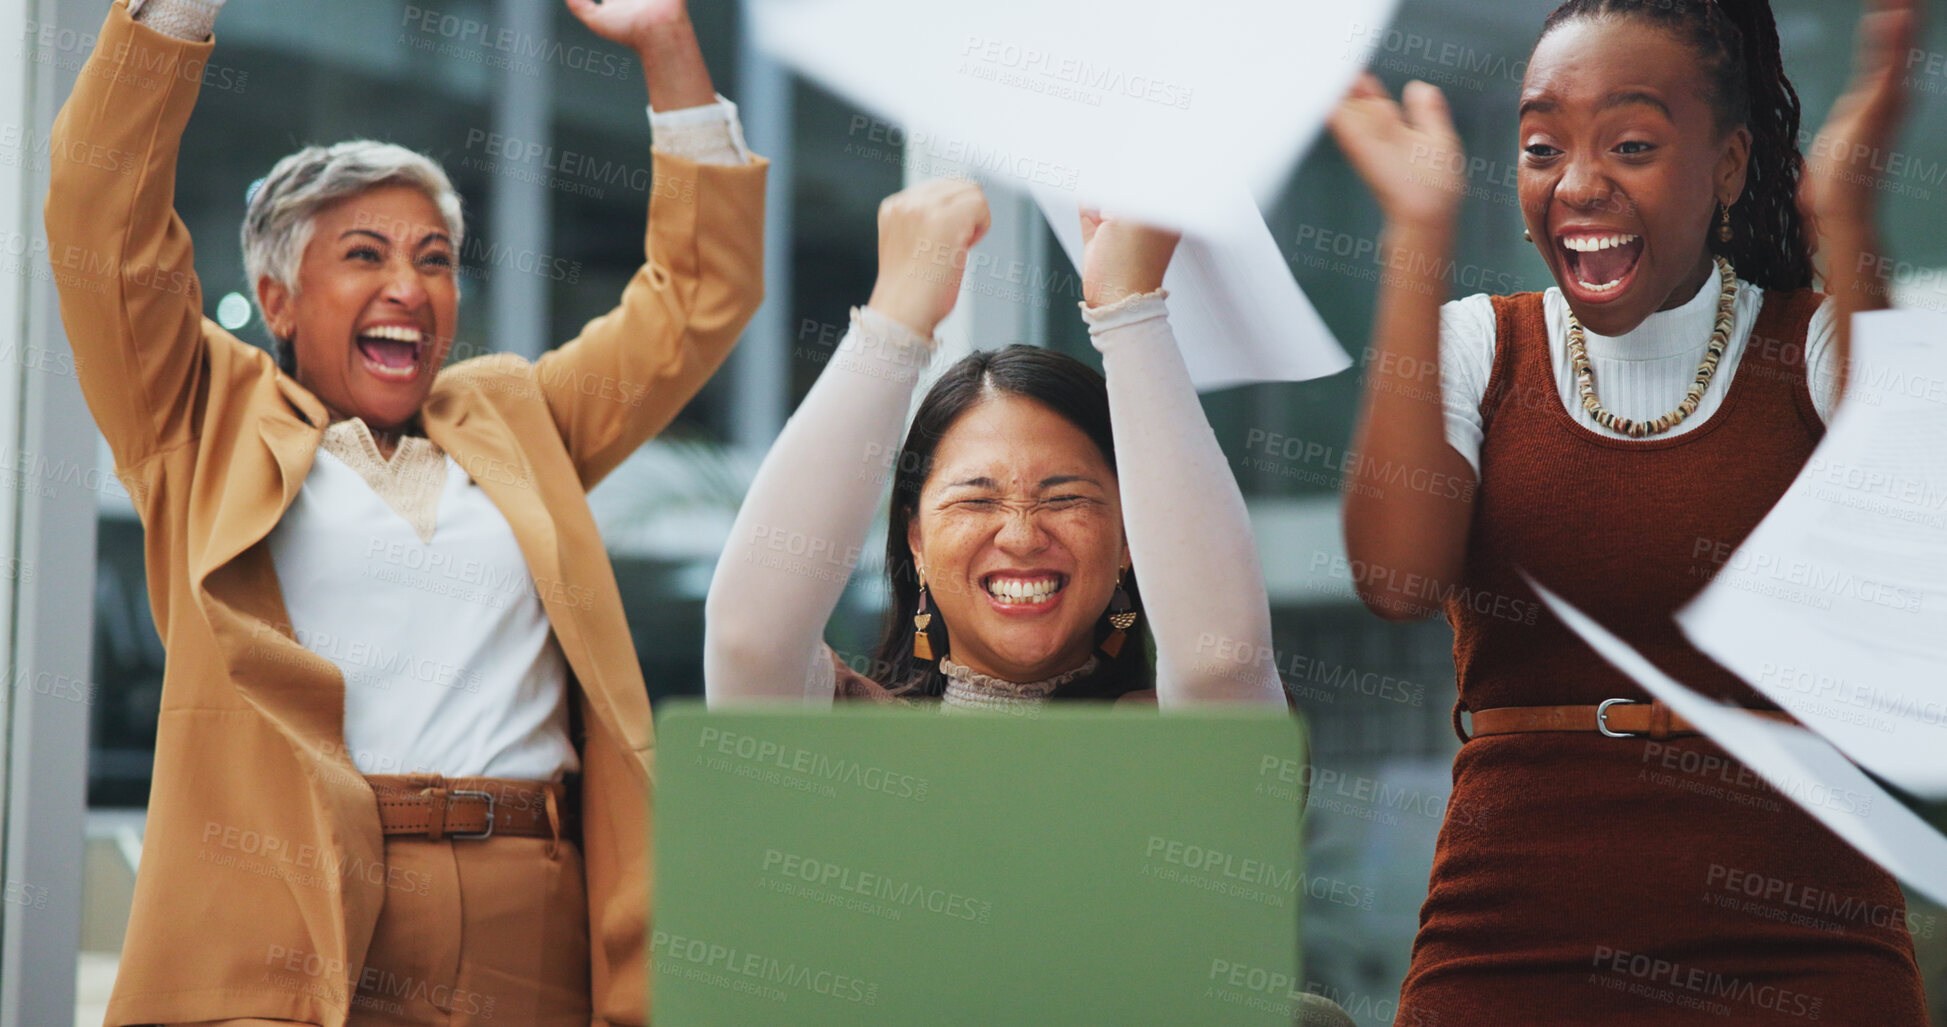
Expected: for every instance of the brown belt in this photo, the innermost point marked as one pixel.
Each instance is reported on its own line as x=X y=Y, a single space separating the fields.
x=1617 y=718
x=473 y=807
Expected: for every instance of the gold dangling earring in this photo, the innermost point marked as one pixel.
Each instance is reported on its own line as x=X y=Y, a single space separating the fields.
x=1122 y=617
x=1527 y=235
x=1724 y=233
x=922 y=642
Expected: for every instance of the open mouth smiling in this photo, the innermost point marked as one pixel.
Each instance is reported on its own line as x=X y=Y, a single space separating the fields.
x=392 y=352
x=1600 y=264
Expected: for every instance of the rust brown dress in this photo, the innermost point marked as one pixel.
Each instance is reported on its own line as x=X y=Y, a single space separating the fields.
x=1585 y=879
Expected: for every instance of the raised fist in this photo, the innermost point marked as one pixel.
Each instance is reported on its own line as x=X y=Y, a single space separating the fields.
x=925 y=233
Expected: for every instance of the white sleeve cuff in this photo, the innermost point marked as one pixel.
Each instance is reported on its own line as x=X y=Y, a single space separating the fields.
x=1134 y=308
x=883 y=347
x=189 y=20
x=709 y=134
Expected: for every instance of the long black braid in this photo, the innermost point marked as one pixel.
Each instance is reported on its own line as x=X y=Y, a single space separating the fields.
x=1738 y=40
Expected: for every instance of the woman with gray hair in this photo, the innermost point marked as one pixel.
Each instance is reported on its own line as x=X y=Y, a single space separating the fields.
x=402 y=767
x=283 y=208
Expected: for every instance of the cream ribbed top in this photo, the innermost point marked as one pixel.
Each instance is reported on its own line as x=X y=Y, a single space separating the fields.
x=968 y=689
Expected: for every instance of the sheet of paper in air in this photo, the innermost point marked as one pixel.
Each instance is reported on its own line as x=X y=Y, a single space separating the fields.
x=1133 y=104
x=1799 y=764
x=1237 y=313
x=1836 y=606
x=1179 y=118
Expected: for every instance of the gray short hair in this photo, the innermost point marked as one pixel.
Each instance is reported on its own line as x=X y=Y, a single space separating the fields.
x=283 y=207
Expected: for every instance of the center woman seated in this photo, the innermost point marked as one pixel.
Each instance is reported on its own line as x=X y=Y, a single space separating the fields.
x=1027 y=499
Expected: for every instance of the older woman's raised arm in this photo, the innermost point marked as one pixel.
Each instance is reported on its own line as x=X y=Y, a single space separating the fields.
x=629 y=372
x=1189 y=534
x=123 y=263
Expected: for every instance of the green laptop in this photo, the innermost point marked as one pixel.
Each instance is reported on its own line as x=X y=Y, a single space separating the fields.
x=869 y=866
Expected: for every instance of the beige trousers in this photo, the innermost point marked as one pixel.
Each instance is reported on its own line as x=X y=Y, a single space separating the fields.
x=473 y=934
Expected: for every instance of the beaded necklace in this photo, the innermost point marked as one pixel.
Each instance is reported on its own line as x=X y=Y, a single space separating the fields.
x=1720 y=339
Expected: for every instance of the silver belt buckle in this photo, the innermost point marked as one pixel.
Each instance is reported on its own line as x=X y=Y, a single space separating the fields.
x=1601 y=719
x=488 y=796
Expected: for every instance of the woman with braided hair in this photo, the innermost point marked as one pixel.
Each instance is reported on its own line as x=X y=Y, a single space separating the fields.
x=1603 y=863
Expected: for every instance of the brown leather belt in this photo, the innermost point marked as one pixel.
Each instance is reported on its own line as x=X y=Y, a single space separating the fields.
x=1617 y=718
x=473 y=808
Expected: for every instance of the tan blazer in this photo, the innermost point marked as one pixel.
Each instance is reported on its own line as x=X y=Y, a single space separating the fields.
x=263 y=860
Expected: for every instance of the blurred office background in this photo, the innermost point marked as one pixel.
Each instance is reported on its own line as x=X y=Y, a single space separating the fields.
x=546 y=140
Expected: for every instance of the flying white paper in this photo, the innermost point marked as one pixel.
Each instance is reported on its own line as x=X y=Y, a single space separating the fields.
x=1174 y=116
x=1836 y=606
x=1237 y=313
x=1136 y=104
x=1799 y=764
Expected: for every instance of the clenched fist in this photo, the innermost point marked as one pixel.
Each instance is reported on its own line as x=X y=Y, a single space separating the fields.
x=1122 y=258
x=925 y=233
x=632 y=23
